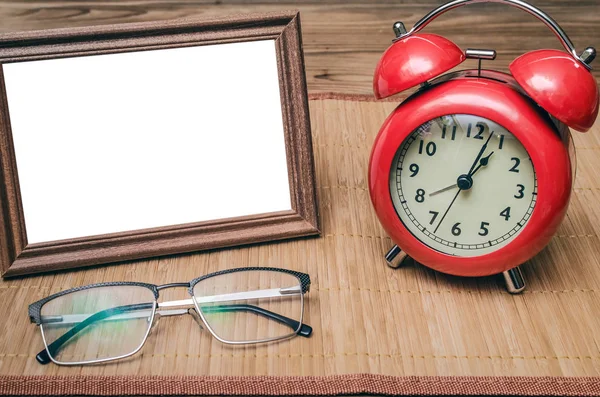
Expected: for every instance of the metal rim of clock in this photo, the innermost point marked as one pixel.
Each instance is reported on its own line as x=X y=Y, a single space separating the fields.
x=585 y=58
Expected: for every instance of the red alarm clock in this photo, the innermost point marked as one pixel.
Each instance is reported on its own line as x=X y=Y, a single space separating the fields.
x=472 y=174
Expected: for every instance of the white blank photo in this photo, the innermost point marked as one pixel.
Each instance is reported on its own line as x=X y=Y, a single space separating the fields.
x=129 y=141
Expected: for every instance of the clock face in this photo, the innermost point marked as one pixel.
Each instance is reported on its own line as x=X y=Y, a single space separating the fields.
x=463 y=185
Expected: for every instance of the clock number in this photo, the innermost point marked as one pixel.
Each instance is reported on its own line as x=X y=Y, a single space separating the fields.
x=456 y=230
x=515 y=168
x=435 y=214
x=481 y=127
x=484 y=230
x=506 y=213
x=453 y=132
x=414 y=168
x=420 y=197
x=501 y=142
x=429 y=149
x=520 y=193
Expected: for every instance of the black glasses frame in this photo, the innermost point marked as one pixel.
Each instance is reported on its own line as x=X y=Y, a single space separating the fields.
x=35 y=309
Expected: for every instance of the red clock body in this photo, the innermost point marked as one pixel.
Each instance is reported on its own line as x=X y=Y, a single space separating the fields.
x=472 y=174
x=495 y=98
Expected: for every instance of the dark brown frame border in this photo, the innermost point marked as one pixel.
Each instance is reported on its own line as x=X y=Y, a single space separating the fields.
x=19 y=258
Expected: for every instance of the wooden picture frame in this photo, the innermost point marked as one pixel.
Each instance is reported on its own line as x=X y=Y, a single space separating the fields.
x=17 y=257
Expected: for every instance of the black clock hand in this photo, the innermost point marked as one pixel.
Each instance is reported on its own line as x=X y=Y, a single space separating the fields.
x=482 y=163
x=447 y=209
x=465 y=182
x=470 y=173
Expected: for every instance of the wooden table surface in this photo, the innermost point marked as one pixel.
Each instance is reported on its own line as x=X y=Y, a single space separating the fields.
x=342 y=39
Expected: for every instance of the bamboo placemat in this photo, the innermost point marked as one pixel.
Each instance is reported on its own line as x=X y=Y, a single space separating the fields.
x=376 y=330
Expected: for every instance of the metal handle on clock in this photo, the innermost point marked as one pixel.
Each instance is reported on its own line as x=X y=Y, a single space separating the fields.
x=586 y=57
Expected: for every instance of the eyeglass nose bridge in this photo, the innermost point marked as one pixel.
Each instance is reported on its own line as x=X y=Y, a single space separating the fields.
x=173 y=285
x=180 y=312
x=162 y=308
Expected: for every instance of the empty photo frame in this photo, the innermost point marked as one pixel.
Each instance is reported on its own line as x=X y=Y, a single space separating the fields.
x=137 y=140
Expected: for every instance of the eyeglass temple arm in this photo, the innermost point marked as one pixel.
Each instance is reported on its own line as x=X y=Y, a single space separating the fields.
x=303 y=329
x=44 y=358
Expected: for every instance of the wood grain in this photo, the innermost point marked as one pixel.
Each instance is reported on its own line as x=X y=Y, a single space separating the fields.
x=20 y=258
x=367 y=318
x=342 y=40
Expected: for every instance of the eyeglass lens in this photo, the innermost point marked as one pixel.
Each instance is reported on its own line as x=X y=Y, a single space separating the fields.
x=97 y=323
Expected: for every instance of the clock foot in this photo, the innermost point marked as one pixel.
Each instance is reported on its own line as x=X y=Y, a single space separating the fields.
x=515 y=283
x=395 y=257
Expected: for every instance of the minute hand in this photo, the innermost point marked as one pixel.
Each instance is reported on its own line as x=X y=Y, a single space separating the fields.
x=470 y=173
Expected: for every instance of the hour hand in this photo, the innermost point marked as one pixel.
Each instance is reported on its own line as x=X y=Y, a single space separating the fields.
x=482 y=163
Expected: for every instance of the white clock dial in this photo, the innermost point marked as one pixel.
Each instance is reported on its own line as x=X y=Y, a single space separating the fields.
x=463 y=185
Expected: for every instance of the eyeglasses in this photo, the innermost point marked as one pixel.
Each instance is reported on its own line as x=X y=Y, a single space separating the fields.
x=110 y=321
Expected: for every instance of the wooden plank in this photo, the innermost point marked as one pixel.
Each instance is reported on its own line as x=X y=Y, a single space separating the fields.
x=342 y=40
